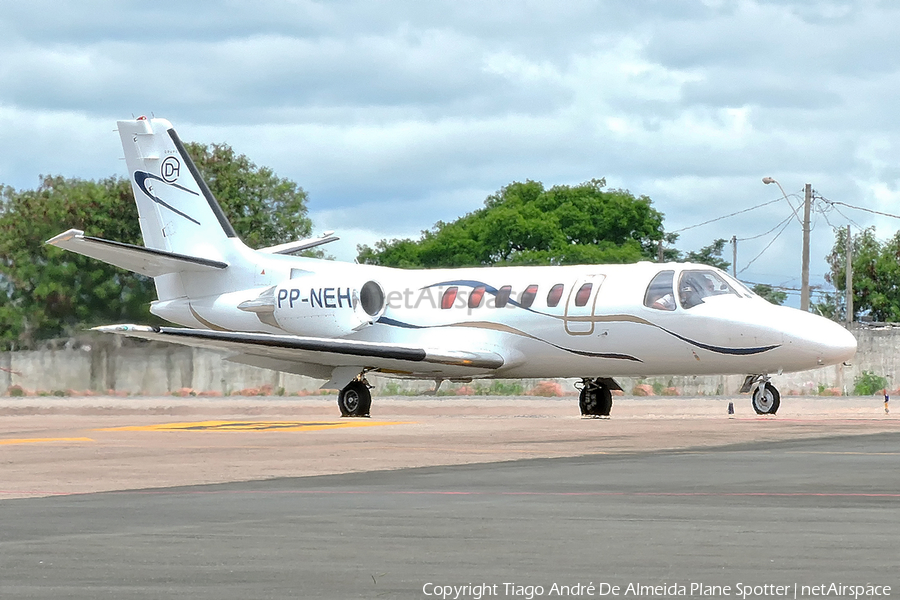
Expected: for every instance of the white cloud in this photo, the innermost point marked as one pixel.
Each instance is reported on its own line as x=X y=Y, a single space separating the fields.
x=395 y=115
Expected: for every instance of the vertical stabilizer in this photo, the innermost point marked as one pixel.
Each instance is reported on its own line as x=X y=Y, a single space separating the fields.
x=177 y=211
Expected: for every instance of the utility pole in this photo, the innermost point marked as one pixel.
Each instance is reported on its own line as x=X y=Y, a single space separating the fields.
x=804 y=274
x=849 y=273
x=659 y=252
x=734 y=258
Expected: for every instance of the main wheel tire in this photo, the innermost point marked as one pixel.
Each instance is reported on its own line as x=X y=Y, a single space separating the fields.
x=605 y=401
x=766 y=399
x=355 y=400
x=595 y=401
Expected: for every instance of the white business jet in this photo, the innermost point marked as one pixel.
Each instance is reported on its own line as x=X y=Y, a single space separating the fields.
x=341 y=321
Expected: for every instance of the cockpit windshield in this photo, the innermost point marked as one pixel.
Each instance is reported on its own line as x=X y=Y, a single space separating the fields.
x=695 y=286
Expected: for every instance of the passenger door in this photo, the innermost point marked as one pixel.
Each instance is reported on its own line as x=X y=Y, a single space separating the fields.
x=579 y=314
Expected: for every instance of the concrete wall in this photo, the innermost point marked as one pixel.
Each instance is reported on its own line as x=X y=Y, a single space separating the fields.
x=100 y=363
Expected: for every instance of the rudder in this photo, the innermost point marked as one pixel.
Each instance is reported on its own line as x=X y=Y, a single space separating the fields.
x=177 y=211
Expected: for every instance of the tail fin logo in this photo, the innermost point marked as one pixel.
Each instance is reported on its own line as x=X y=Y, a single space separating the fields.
x=140 y=179
x=170 y=170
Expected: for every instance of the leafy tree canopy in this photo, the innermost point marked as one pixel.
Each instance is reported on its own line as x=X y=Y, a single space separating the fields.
x=526 y=224
x=830 y=306
x=46 y=292
x=876 y=273
x=770 y=293
x=264 y=209
x=709 y=255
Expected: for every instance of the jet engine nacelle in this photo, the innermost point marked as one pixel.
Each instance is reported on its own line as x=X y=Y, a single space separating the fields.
x=325 y=307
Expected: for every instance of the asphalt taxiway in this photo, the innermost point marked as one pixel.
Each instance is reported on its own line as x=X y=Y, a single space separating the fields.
x=651 y=497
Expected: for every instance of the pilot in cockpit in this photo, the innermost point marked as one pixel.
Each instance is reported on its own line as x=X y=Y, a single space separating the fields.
x=690 y=292
x=664 y=302
x=697 y=285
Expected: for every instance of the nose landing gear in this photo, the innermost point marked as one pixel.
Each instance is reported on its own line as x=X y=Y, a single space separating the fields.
x=763 y=395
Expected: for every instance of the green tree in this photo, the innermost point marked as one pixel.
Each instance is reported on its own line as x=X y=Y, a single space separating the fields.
x=264 y=209
x=770 y=293
x=526 y=224
x=876 y=273
x=830 y=306
x=46 y=292
x=709 y=255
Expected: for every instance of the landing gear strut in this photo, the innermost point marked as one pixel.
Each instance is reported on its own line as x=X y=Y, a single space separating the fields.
x=763 y=395
x=595 y=399
x=355 y=399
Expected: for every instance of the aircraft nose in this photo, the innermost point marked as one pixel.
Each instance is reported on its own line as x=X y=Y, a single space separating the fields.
x=829 y=342
x=838 y=345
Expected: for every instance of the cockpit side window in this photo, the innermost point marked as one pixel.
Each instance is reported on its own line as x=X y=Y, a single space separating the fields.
x=741 y=289
x=661 y=293
x=695 y=286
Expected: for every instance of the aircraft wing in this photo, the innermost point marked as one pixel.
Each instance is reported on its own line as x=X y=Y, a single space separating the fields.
x=137 y=259
x=284 y=349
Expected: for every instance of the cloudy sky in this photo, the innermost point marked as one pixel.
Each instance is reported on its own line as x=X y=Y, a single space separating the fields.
x=393 y=115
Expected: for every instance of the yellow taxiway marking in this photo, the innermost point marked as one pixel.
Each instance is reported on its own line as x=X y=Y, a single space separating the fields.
x=44 y=440
x=254 y=425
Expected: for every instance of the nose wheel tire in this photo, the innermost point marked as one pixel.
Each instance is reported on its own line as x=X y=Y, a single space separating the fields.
x=766 y=399
x=355 y=400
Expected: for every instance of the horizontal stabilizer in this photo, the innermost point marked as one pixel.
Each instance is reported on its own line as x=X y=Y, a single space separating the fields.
x=323 y=351
x=292 y=247
x=138 y=259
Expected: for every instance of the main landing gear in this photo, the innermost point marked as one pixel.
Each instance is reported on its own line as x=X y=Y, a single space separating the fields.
x=355 y=399
x=763 y=395
x=595 y=399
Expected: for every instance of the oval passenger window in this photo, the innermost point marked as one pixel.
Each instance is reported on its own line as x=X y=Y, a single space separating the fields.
x=448 y=298
x=528 y=295
x=554 y=295
x=503 y=296
x=476 y=296
x=584 y=293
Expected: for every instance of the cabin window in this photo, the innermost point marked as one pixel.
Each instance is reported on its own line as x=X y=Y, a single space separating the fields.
x=660 y=293
x=528 y=296
x=449 y=297
x=694 y=287
x=503 y=296
x=554 y=295
x=583 y=294
x=476 y=296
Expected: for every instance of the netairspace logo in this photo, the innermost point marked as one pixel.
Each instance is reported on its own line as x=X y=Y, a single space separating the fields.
x=477 y=591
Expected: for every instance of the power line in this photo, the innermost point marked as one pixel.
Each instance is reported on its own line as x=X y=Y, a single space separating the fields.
x=766 y=233
x=727 y=216
x=786 y=223
x=868 y=210
x=824 y=213
x=854 y=223
x=796 y=213
x=792 y=291
x=817 y=289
